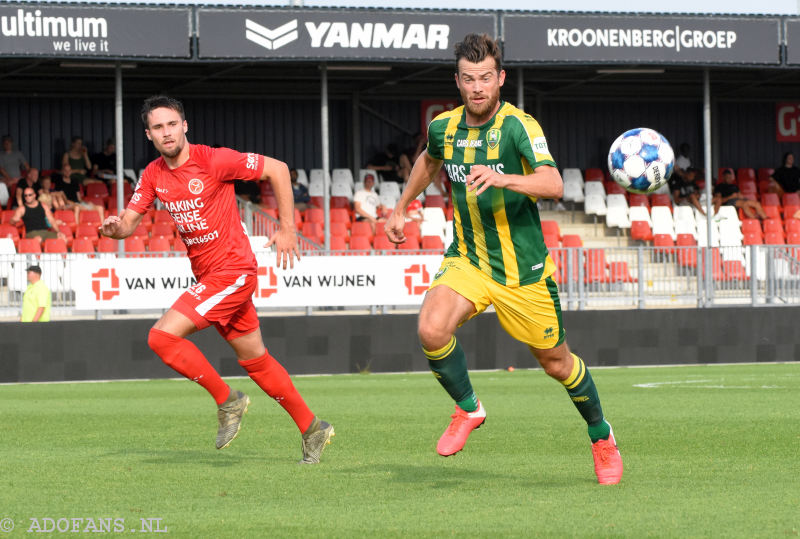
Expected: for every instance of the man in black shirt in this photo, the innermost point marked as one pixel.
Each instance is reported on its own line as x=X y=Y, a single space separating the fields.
x=39 y=221
x=726 y=193
x=72 y=191
x=786 y=179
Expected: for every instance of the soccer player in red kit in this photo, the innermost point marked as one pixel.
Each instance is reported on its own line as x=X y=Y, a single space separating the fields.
x=195 y=184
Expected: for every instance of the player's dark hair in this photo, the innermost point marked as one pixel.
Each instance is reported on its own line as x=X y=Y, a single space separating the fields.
x=787 y=154
x=158 y=102
x=475 y=48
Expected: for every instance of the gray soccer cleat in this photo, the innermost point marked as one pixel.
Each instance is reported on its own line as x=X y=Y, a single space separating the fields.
x=315 y=439
x=229 y=415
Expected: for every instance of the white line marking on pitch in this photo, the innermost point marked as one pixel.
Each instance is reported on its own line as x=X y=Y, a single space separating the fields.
x=651 y=385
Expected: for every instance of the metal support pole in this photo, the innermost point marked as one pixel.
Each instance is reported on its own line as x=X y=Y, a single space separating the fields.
x=521 y=88
x=326 y=160
x=707 y=164
x=356 y=142
x=118 y=144
x=640 y=274
x=753 y=275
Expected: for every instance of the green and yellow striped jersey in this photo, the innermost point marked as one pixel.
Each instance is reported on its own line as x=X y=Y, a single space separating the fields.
x=499 y=231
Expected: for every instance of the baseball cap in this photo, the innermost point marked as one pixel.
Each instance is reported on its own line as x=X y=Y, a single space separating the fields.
x=35 y=269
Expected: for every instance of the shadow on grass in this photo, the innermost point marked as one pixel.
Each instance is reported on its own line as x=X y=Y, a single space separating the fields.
x=193 y=457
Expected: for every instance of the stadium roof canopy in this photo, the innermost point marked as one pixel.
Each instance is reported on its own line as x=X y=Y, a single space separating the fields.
x=64 y=48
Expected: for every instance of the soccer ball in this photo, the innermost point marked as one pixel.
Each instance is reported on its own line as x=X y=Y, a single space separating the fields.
x=641 y=160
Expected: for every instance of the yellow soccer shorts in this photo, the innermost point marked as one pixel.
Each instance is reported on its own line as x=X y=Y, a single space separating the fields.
x=530 y=313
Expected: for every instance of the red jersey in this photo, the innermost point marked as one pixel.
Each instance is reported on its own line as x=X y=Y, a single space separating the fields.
x=199 y=195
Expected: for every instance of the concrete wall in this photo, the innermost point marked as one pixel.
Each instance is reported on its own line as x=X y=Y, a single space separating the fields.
x=117 y=349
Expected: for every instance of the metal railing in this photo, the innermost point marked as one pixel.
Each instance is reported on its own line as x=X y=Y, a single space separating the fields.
x=609 y=278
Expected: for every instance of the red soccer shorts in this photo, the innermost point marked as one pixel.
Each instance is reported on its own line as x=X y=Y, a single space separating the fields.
x=223 y=300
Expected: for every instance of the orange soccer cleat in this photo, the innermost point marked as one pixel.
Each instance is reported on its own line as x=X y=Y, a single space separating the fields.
x=607 y=461
x=456 y=434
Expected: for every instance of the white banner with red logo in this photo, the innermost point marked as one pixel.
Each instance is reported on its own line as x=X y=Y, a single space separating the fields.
x=315 y=281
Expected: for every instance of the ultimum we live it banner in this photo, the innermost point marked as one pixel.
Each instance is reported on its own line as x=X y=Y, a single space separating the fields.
x=155 y=283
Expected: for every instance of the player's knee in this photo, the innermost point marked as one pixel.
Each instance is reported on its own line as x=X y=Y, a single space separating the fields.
x=556 y=362
x=432 y=337
x=163 y=344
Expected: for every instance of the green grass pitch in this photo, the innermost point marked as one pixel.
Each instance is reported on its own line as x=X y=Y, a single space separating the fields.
x=709 y=451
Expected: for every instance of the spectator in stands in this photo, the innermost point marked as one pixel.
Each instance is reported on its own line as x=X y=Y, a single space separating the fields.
x=77 y=157
x=36 y=299
x=37 y=218
x=409 y=156
x=300 y=191
x=31 y=180
x=684 y=189
x=682 y=161
x=726 y=193
x=367 y=204
x=13 y=164
x=72 y=194
x=104 y=164
x=786 y=178
x=49 y=196
x=387 y=163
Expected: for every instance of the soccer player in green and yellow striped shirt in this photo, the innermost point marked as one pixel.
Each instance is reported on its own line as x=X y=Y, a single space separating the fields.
x=497 y=159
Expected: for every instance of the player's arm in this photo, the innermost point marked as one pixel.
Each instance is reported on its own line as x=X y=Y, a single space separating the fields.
x=120 y=228
x=285 y=238
x=544 y=182
x=425 y=169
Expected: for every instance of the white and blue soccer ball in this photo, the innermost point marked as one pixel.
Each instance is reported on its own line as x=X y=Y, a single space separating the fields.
x=641 y=160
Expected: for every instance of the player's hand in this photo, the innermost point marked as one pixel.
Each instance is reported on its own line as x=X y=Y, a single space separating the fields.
x=481 y=177
x=285 y=242
x=110 y=226
x=394 y=227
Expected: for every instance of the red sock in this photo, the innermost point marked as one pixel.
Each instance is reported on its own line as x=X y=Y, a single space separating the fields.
x=184 y=357
x=274 y=380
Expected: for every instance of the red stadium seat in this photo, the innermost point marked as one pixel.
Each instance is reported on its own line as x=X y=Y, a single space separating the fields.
x=96 y=189
x=162 y=216
x=162 y=229
x=594 y=175
x=87 y=231
x=314 y=215
x=106 y=245
x=770 y=199
x=595 y=266
x=340 y=202
x=618 y=272
x=67 y=217
x=685 y=240
x=361 y=228
x=433 y=243
x=763 y=174
x=338 y=243
x=751 y=238
x=745 y=175
x=411 y=243
x=571 y=240
x=178 y=246
x=338 y=230
x=551 y=228
x=382 y=243
x=550 y=241
x=435 y=201
x=640 y=230
x=360 y=243
x=733 y=270
x=774 y=238
x=159 y=244
x=660 y=199
x=83 y=245
x=313 y=231
x=637 y=199
x=411 y=230
x=9 y=231
x=134 y=244
x=54 y=245
x=5 y=217
x=269 y=201
x=664 y=243
x=29 y=245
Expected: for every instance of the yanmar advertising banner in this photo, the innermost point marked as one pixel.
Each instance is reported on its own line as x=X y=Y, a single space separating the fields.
x=57 y=30
x=327 y=34
x=155 y=283
x=652 y=40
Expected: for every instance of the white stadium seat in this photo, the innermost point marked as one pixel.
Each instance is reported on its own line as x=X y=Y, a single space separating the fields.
x=595 y=204
x=572 y=174
x=594 y=188
x=302 y=177
x=640 y=213
x=573 y=190
x=662 y=221
x=342 y=174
